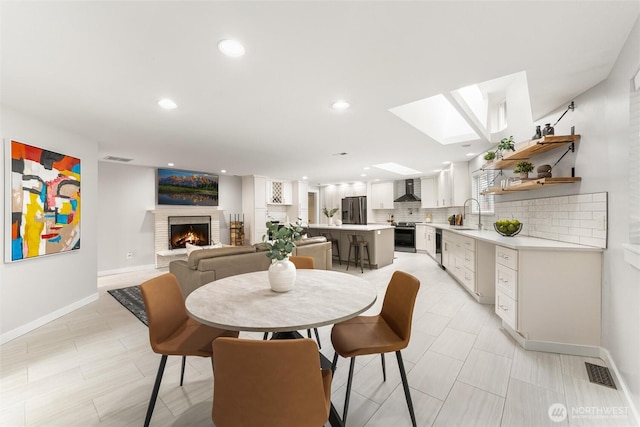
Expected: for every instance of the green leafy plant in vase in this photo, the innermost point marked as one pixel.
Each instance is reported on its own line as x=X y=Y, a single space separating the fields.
x=490 y=156
x=282 y=272
x=523 y=168
x=329 y=213
x=505 y=144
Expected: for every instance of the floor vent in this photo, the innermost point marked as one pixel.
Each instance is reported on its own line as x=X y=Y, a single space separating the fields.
x=600 y=375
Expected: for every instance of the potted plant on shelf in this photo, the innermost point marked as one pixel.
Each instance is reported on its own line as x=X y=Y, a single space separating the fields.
x=523 y=168
x=505 y=144
x=490 y=156
x=329 y=214
x=282 y=272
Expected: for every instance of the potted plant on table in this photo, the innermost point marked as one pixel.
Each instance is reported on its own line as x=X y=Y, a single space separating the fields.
x=329 y=214
x=282 y=272
x=523 y=168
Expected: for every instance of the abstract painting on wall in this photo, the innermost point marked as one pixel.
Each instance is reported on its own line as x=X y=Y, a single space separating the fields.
x=45 y=202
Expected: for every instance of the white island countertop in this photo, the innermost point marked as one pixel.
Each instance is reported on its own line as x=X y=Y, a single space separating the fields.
x=515 y=242
x=351 y=227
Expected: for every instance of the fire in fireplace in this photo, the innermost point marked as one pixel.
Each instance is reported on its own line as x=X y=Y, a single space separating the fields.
x=181 y=234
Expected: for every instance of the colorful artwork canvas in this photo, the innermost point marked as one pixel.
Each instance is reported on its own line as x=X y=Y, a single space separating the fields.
x=45 y=202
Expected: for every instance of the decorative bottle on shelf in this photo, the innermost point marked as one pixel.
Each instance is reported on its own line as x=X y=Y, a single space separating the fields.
x=538 y=134
x=548 y=129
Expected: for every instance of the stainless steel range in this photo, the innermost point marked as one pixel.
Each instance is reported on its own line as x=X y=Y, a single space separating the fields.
x=405 y=237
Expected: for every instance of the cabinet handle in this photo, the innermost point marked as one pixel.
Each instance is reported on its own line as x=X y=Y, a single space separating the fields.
x=503 y=307
x=503 y=256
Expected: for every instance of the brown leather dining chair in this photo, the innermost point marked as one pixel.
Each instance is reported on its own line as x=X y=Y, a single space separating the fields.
x=269 y=384
x=388 y=331
x=303 y=262
x=171 y=331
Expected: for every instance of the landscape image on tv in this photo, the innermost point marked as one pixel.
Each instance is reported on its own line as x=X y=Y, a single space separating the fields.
x=178 y=187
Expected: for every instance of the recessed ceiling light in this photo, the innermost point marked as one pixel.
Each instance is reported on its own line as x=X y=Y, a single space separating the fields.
x=366 y=168
x=304 y=177
x=446 y=162
x=169 y=164
x=223 y=171
x=340 y=105
x=471 y=154
x=231 y=48
x=167 y=104
x=363 y=174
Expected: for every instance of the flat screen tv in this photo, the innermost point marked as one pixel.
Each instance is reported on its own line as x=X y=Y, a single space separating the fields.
x=180 y=187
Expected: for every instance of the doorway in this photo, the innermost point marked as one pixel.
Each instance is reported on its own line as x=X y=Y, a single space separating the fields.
x=312 y=208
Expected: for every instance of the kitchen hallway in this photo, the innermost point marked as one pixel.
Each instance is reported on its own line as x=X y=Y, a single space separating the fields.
x=94 y=367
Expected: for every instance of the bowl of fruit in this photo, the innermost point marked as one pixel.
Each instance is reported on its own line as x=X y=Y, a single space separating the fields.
x=507 y=227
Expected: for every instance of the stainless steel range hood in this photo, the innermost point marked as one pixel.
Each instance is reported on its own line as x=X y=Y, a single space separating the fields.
x=409 y=195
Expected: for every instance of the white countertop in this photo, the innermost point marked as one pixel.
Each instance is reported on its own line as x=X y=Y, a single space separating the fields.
x=351 y=227
x=516 y=242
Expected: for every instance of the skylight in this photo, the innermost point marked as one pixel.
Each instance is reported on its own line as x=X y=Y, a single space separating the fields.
x=478 y=103
x=397 y=168
x=437 y=118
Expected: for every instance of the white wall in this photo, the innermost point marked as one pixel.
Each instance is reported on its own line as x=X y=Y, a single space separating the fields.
x=127 y=193
x=36 y=291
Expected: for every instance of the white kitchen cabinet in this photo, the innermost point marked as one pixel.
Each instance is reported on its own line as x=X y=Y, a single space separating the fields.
x=382 y=195
x=454 y=185
x=421 y=238
x=279 y=192
x=428 y=193
x=430 y=235
x=471 y=263
x=550 y=300
x=254 y=207
x=300 y=206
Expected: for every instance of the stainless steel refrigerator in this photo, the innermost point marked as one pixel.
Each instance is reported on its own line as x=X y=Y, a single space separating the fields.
x=354 y=210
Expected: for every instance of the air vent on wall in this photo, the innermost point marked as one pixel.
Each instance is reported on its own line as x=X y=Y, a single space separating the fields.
x=118 y=159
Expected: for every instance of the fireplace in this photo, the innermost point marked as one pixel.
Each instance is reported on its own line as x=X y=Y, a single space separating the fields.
x=189 y=229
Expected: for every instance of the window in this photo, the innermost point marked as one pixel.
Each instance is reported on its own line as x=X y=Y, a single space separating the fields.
x=502 y=115
x=481 y=181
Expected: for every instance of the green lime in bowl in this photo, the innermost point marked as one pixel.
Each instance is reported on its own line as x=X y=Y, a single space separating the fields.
x=507 y=227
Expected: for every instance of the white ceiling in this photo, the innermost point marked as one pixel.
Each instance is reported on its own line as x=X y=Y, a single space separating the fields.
x=99 y=68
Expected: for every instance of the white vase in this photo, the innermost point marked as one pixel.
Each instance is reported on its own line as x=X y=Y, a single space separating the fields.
x=282 y=275
x=330 y=221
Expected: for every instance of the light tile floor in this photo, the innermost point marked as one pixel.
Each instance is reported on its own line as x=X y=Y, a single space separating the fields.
x=94 y=367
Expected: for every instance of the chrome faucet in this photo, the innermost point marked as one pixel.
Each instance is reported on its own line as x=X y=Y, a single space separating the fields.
x=464 y=213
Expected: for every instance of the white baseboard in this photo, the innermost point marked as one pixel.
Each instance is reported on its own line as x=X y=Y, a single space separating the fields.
x=606 y=356
x=126 y=270
x=8 y=336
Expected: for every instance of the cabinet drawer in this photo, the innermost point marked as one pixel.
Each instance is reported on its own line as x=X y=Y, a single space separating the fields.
x=469 y=280
x=507 y=281
x=470 y=259
x=507 y=257
x=506 y=308
x=468 y=243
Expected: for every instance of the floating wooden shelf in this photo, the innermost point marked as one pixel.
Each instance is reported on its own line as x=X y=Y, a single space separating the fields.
x=526 y=150
x=532 y=185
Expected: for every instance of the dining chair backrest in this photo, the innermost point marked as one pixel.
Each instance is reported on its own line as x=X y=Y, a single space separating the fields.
x=302 y=262
x=165 y=307
x=398 y=304
x=269 y=383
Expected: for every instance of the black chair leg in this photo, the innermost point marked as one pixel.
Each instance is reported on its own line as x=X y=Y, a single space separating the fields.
x=308 y=333
x=334 y=364
x=317 y=337
x=349 y=258
x=405 y=385
x=368 y=257
x=384 y=369
x=346 y=399
x=265 y=336
x=156 y=388
x=184 y=362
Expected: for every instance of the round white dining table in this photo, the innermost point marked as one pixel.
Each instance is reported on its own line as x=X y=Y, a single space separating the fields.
x=246 y=302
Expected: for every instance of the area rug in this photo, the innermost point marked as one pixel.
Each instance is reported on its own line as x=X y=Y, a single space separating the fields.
x=131 y=299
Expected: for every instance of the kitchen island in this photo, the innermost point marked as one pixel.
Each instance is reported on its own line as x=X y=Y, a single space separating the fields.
x=379 y=236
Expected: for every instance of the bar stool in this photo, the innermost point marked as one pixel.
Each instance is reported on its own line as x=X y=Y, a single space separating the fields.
x=359 y=244
x=333 y=241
